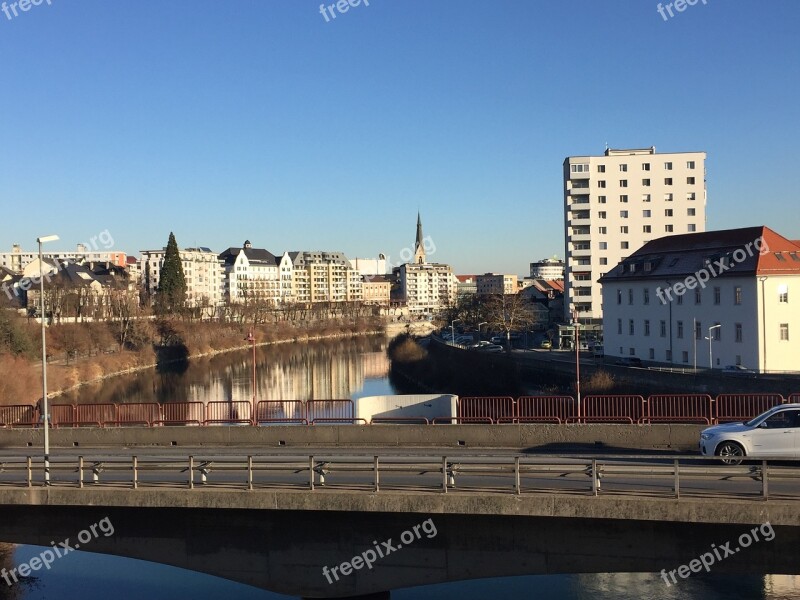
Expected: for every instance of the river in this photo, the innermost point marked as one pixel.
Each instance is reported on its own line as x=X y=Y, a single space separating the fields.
x=320 y=370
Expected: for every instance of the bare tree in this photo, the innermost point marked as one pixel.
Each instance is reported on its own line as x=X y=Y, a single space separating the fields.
x=508 y=312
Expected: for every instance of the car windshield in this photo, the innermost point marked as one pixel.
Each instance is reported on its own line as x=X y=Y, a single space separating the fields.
x=763 y=416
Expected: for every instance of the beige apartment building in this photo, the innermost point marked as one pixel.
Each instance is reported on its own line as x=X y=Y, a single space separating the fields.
x=492 y=284
x=616 y=203
x=201 y=269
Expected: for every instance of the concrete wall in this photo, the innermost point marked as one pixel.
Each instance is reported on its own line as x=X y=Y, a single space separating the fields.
x=429 y=406
x=532 y=437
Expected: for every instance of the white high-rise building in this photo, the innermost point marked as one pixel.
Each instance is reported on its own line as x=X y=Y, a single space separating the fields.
x=617 y=202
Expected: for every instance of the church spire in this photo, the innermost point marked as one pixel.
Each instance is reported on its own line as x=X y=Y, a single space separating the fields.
x=419 y=245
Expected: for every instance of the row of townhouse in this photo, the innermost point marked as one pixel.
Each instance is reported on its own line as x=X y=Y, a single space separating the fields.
x=247 y=274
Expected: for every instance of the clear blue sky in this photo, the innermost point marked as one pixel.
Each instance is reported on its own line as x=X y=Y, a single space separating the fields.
x=257 y=119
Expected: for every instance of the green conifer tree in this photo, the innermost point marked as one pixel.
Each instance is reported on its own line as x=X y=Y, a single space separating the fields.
x=171 y=294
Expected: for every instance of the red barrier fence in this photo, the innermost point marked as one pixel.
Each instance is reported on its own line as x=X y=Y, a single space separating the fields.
x=492 y=407
x=181 y=413
x=239 y=411
x=329 y=411
x=544 y=409
x=138 y=413
x=281 y=411
x=19 y=415
x=743 y=407
x=683 y=408
x=611 y=409
x=95 y=414
x=62 y=415
x=794 y=398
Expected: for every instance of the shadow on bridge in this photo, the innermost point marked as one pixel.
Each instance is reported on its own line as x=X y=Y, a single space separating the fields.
x=285 y=551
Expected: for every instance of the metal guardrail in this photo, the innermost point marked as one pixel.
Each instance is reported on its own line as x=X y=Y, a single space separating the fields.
x=630 y=475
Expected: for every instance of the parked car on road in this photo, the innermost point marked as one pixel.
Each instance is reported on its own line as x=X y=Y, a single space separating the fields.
x=546 y=345
x=738 y=371
x=491 y=348
x=497 y=339
x=773 y=434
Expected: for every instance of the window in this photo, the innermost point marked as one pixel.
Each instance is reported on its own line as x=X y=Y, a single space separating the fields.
x=645 y=197
x=784 y=332
x=623 y=198
x=668 y=197
x=680 y=330
x=669 y=228
x=619 y=326
x=604 y=261
x=601 y=214
x=691 y=228
x=601 y=199
x=623 y=229
x=698 y=296
x=623 y=183
x=663 y=328
x=630 y=296
x=738 y=359
x=646 y=182
x=685 y=356
x=737 y=295
x=652 y=354
x=601 y=168
x=624 y=245
x=619 y=296
x=780 y=257
x=717 y=295
x=647 y=229
x=717 y=332
x=668 y=181
x=698 y=330
x=623 y=214
x=668 y=212
x=647 y=327
x=648 y=266
x=602 y=230
x=646 y=293
x=783 y=294
x=691 y=196
x=668 y=166
x=690 y=180
x=645 y=166
x=583 y=168
x=679 y=299
x=690 y=212
x=646 y=214
x=738 y=328
x=603 y=245
x=601 y=183
x=630 y=327
x=623 y=168
x=669 y=355
x=690 y=164
x=632 y=351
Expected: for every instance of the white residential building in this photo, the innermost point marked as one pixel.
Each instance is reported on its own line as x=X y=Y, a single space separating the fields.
x=201 y=269
x=615 y=203
x=18 y=259
x=664 y=301
x=256 y=274
x=368 y=267
x=548 y=268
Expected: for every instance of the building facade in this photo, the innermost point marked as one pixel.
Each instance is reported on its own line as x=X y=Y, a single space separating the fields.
x=16 y=260
x=325 y=277
x=426 y=287
x=548 y=268
x=492 y=284
x=739 y=287
x=201 y=269
x=255 y=274
x=617 y=202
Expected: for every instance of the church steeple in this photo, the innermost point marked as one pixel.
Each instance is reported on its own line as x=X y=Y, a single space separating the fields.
x=419 y=245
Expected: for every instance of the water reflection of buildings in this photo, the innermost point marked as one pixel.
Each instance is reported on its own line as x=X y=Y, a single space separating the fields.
x=305 y=372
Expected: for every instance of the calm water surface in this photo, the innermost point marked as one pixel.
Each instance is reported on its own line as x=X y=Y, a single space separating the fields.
x=327 y=370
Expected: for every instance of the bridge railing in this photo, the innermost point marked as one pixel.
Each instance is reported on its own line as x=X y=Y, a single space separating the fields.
x=632 y=409
x=649 y=475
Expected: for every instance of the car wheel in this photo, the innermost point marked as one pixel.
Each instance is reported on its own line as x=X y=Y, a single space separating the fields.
x=731 y=453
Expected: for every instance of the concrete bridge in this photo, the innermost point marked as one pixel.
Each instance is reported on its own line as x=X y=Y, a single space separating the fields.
x=267 y=520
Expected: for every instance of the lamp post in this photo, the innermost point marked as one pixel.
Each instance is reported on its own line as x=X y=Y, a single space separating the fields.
x=479 y=328
x=251 y=338
x=709 y=338
x=577 y=357
x=45 y=408
x=453 y=330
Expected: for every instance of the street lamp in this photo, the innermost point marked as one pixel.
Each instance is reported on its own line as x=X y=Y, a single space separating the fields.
x=479 y=328
x=251 y=338
x=453 y=330
x=709 y=338
x=577 y=357
x=45 y=408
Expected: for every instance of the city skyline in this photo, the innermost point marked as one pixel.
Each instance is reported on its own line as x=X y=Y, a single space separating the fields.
x=226 y=124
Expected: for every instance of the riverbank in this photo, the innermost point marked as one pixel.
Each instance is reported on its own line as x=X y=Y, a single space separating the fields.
x=21 y=378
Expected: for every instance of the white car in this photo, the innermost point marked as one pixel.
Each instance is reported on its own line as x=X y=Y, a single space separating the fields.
x=772 y=434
